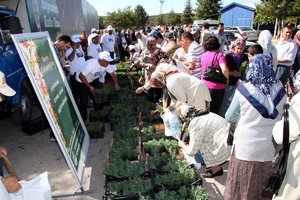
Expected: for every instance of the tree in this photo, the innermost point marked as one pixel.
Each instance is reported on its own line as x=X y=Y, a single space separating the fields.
x=141 y=16
x=187 y=15
x=172 y=18
x=122 y=19
x=279 y=11
x=207 y=9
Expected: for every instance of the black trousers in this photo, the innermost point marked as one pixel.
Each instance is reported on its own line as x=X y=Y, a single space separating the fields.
x=217 y=98
x=84 y=95
x=74 y=90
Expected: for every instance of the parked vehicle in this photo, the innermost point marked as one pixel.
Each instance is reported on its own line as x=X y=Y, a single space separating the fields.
x=232 y=35
x=35 y=16
x=212 y=23
x=247 y=31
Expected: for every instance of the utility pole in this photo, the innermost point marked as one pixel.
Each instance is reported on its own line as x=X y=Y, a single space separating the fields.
x=161 y=11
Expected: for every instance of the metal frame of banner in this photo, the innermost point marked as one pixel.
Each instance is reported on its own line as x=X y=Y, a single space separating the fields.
x=82 y=192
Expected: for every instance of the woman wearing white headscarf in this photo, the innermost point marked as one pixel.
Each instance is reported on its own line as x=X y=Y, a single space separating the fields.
x=265 y=40
x=257 y=105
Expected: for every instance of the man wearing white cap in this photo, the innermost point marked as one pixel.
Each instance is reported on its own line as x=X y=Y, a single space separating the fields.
x=108 y=41
x=94 y=48
x=76 y=60
x=89 y=76
x=4 y=88
x=89 y=39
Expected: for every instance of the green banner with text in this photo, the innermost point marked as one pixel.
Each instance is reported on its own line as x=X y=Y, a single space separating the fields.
x=54 y=94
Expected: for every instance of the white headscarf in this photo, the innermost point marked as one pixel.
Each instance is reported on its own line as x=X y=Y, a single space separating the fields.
x=265 y=40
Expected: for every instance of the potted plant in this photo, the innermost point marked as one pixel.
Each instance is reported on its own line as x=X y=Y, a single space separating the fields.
x=96 y=129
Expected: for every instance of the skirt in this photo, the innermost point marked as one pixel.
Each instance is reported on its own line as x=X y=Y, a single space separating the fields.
x=245 y=180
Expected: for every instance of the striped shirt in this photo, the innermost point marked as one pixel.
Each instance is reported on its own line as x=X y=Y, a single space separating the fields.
x=195 y=51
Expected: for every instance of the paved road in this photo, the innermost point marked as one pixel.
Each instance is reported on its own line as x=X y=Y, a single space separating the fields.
x=35 y=154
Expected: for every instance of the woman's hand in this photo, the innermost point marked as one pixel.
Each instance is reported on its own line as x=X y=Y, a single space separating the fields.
x=139 y=90
x=11 y=184
x=181 y=143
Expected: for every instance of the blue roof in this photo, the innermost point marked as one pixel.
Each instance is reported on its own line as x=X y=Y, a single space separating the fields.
x=235 y=4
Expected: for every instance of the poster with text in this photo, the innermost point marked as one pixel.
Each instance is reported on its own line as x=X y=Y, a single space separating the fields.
x=52 y=89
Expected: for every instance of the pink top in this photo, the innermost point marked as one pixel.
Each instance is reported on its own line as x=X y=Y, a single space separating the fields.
x=206 y=60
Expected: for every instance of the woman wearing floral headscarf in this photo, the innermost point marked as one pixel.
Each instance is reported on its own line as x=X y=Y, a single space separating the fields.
x=265 y=40
x=237 y=63
x=257 y=105
x=148 y=63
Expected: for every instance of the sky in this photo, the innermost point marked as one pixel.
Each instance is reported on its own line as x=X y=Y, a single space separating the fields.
x=152 y=7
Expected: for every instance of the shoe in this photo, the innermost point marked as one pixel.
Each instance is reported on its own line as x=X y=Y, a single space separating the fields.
x=52 y=139
x=210 y=174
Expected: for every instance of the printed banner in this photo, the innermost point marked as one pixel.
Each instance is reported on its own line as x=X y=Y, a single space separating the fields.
x=46 y=75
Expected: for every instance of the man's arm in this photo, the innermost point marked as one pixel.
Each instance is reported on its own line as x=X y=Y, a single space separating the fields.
x=84 y=81
x=72 y=55
x=115 y=80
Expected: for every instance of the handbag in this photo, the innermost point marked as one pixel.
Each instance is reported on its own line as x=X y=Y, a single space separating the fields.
x=214 y=75
x=279 y=163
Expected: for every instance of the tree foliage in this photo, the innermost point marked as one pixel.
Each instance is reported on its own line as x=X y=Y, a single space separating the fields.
x=187 y=15
x=172 y=18
x=207 y=9
x=127 y=18
x=141 y=16
x=279 y=11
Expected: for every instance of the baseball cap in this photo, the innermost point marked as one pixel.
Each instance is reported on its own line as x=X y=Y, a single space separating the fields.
x=105 y=55
x=153 y=33
x=169 y=35
x=94 y=35
x=4 y=88
x=109 y=28
x=93 y=30
x=76 y=38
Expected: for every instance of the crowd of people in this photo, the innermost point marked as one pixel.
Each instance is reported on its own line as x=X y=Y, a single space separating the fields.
x=175 y=61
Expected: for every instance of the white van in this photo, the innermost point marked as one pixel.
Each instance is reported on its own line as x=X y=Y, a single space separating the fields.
x=212 y=23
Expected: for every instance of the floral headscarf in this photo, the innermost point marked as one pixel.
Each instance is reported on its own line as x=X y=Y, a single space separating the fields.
x=159 y=56
x=260 y=73
x=158 y=80
x=269 y=92
x=239 y=42
x=149 y=43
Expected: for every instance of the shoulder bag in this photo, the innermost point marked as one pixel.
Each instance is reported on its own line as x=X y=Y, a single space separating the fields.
x=279 y=164
x=214 y=75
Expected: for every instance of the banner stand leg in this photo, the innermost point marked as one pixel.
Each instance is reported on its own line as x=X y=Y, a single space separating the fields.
x=81 y=192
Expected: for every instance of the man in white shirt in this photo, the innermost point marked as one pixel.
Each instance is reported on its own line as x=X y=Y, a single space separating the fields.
x=142 y=39
x=222 y=38
x=94 y=48
x=76 y=60
x=194 y=54
x=89 y=76
x=206 y=33
x=89 y=39
x=108 y=41
x=286 y=53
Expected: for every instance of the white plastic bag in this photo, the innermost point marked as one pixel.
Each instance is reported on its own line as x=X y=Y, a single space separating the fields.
x=171 y=122
x=35 y=189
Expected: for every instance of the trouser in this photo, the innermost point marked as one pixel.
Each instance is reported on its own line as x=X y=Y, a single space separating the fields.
x=1 y=168
x=75 y=91
x=84 y=94
x=229 y=91
x=216 y=100
x=283 y=73
x=296 y=65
